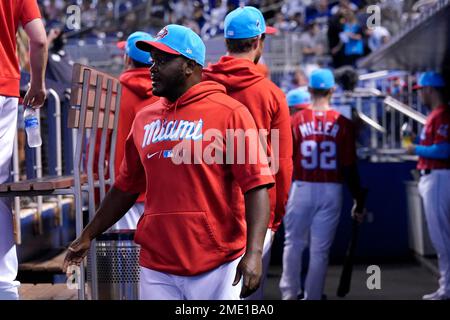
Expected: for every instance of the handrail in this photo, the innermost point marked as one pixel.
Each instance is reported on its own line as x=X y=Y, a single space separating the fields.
x=57 y=116
x=59 y=163
x=367 y=92
x=372 y=123
x=373 y=75
x=378 y=75
x=404 y=109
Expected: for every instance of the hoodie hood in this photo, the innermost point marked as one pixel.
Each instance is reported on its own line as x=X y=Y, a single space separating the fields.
x=195 y=94
x=138 y=81
x=234 y=73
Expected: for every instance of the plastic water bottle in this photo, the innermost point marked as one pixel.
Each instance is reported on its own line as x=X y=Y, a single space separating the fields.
x=32 y=127
x=406 y=134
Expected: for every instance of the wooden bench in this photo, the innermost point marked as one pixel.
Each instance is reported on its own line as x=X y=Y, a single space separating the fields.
x=101 y=104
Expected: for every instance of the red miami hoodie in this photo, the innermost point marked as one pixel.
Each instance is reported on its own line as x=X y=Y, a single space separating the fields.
x=267 y=104
x=136 y=94
x=194 y=217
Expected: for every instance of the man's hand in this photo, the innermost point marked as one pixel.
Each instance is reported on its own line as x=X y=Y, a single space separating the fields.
x=411 y=149
x=359 y=210
x=112 y=208
x=35 y=96
x=250 y=269
x=358 y=214
x=77 y=250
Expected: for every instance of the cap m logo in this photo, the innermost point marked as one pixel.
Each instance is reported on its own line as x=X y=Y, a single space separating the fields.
x=258 y=24
x=162 y=33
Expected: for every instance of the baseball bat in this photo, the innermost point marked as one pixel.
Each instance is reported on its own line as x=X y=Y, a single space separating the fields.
x=346 y=275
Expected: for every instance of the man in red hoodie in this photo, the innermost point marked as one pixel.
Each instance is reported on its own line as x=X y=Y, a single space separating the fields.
x=204 y=223
x=245 y=31
x=136 y=94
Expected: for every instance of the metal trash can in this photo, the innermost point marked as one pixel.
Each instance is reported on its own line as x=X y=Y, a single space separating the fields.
x=117 y=266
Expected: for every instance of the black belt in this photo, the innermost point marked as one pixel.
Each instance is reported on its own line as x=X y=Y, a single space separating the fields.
x=424 y=172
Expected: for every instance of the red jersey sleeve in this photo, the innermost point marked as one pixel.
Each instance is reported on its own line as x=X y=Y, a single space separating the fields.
x=441 y=128
x=131 y=176
x=249 y=164
x=347 y=153
x=29 y=12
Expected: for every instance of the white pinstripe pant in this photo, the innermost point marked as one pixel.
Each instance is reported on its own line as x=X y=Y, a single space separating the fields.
x=8 y=255
x=312 y=216
x=434 y=189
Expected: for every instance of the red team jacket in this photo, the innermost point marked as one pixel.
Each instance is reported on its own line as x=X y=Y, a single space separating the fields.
x=436 y=130
x=267 y=104
x=24 y=11
x=324 y=143
x=136 y=94
x=194 y=218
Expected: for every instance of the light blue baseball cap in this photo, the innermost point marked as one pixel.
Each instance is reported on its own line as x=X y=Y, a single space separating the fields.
x=132 y=51
x=298 y=98
x=430 y=79
x=178 y=40
x=321 y=79
x=245 y=22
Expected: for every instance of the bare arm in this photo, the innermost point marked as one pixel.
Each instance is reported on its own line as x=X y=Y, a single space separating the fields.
x=35 y=30
x=112 y=208
x=257 y=215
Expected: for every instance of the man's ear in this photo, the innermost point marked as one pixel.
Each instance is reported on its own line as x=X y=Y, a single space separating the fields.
x=255 y=44
x=190 y=67
x=127 y=60
x=332 y=90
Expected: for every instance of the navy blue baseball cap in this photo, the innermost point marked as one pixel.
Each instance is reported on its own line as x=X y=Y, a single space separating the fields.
x=298 y=98
x=132 y=51
x=430 y=79
x=177 y=40
x=321 y=79
x=245 y=22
